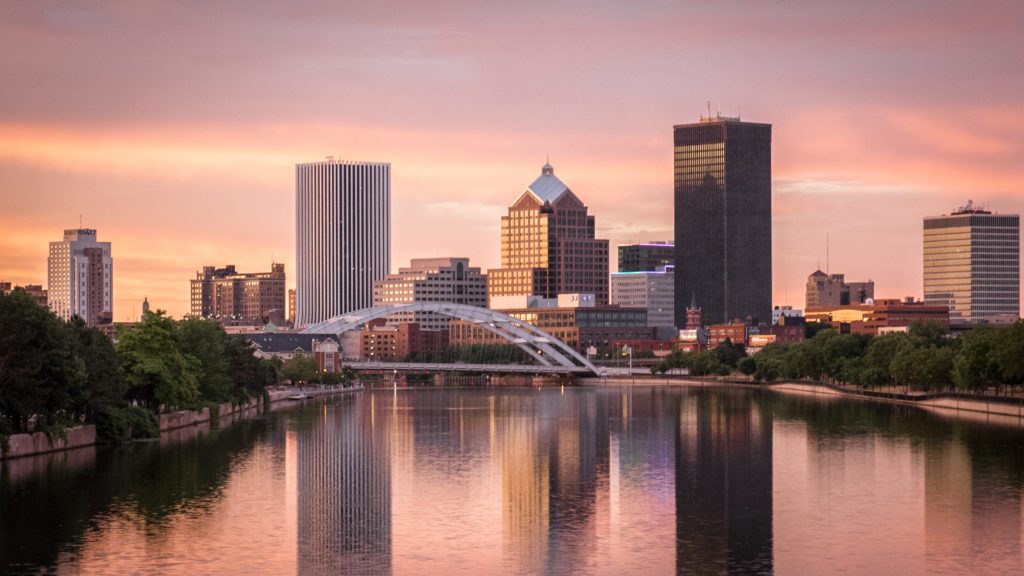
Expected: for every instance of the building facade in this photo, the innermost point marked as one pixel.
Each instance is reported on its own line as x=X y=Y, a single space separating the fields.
x=548 y=245
x=342 y=236
x=885 y=313
x=723 y=218
x=35 y=291
x=381 y=342
x=228 y=295
x=833 y=290
x=80 y=278
x=972 y=265
x=646 y=256
x=431 y=280
x=651 y=290
x=577 y=326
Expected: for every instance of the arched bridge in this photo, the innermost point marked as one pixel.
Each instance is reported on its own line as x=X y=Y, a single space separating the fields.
x=551 y=354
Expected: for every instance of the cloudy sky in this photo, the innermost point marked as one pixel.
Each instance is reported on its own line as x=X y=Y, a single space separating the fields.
x=173 y=127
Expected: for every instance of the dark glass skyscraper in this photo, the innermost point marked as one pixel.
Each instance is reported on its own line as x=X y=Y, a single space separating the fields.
x=723 y=220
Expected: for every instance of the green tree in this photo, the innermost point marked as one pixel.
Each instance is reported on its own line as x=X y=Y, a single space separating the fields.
x=300 y=368
x=103 y=385
x=207 y=342
x=976 y=365
x=39 y=374
x=747 y=365
x=878 y=359
x=1008 y=352
x=729 y=353
x=158 y=374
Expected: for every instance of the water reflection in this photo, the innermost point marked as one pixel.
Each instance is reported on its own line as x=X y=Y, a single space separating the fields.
x=575 y=481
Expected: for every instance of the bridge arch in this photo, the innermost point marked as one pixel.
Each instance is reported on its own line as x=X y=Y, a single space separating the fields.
x=526 y=336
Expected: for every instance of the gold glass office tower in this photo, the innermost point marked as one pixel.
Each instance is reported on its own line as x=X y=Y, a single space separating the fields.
x=972 y=265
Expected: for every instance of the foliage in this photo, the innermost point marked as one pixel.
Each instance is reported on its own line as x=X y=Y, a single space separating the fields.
x=729 y=354
x=124 y=423
x=159 y=375
x=301 y=368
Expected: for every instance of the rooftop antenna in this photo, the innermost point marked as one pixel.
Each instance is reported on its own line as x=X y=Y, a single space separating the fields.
x=79 y=220
x=827 y=269
x=709 y=109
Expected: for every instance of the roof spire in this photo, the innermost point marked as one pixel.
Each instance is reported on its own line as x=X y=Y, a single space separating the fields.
x=547 y=169
x=693 y=300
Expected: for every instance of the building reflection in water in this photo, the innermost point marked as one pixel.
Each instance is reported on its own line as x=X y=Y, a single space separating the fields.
x=723 y=485
x=344 y=493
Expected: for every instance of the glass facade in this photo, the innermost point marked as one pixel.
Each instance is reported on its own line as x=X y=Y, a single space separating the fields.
x=972 y=265
x=723 y=219
x=548 y=246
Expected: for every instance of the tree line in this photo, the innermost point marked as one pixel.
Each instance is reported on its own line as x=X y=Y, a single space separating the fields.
x=55 y=374
x=925 y=358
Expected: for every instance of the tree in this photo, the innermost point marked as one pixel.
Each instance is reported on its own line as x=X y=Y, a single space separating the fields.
x=39 y=373
x=976 y=365
x=104 y=384
x=1008 y=352
x=300 y=369
x=158 y=374
x=878 y=359
x=747 y=365
x=729 y=353
x=207 y=342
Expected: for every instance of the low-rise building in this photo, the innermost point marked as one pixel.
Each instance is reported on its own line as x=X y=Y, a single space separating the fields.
x=381 y=342
x=735 y=332
x=36 y=291
x=868 y=318
x=572 y=318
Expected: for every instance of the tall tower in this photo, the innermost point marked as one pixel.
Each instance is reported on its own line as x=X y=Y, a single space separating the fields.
x=342 y=236
x=723 y=218
x=548 y=246
x=972 y=265
x=80 y=278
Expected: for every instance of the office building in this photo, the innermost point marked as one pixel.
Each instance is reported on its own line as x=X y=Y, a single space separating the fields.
x=575 y=319
x=450 y=280
x=723 y=218
x=972 y=265
x=80 y=278
x=548 y=246
x=227 y=295
x=342 y=236
x=646 y=256
x=380 y=341
x=833 y=290
x=651 y=290
x=880 y=314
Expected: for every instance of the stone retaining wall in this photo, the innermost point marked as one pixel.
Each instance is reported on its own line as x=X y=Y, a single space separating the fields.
x=40 y=443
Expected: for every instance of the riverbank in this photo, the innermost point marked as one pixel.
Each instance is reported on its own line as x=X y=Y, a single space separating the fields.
x=994 y=409
x=36 y=443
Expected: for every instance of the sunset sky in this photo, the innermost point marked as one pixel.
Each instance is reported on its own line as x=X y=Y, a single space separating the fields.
x=173 y=127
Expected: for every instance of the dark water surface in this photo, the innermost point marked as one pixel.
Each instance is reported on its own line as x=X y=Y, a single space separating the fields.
x=575 y=481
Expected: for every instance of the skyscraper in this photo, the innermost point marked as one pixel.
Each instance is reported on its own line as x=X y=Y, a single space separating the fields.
x=972 y=265
x=342 y=236
x=80 y=278
x=548 y=246
x=723 y=219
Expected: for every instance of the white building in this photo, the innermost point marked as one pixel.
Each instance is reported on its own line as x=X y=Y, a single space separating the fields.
x=432 y=280
x=342 y=236
x=652 y=290
x=779 y=311
x=80 y=278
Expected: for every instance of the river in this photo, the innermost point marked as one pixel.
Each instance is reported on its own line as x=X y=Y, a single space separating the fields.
x=532 y=481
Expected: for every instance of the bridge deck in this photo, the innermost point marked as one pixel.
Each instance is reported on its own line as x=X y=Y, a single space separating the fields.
x=460 y=367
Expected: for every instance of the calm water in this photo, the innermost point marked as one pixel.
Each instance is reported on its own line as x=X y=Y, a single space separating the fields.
x=580 y=481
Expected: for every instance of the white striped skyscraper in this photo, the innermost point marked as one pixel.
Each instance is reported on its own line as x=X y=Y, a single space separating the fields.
x=342 y=236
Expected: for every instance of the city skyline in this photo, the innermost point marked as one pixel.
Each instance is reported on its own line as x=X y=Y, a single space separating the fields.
x=870 y=134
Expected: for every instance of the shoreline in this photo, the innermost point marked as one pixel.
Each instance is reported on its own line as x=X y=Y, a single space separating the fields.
x=988 y=409
x=38 y=443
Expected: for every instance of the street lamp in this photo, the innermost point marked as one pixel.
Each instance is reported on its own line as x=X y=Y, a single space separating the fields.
x=629 y=350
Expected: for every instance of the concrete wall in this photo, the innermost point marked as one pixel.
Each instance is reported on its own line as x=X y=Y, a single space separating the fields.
x=40 y=443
